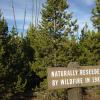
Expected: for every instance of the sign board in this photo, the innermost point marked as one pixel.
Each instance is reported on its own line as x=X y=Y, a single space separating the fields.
x=83 y=76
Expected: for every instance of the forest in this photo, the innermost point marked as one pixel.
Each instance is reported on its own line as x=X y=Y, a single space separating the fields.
x=24 y=59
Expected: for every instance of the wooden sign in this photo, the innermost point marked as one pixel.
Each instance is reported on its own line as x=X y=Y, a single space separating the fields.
x=82 y=76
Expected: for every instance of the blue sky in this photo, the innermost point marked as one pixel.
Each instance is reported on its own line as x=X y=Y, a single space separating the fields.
x=81 y=10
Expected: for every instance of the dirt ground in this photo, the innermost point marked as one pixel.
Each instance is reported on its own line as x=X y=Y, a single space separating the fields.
x=91 y=97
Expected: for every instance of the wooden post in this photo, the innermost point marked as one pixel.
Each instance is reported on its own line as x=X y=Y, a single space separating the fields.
x=74 y=93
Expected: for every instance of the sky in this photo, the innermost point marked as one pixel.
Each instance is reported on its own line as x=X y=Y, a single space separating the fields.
x=81 y=11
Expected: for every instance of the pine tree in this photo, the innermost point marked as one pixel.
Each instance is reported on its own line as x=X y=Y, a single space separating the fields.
x=58 y=23
x=41 y=42
x=96 y=16
x=50 y=41
x=15 y=72
x=56 y=19
x=17 y=64
x=3 y=39
x=89 y=48
x=3 y=26
x=84 y=32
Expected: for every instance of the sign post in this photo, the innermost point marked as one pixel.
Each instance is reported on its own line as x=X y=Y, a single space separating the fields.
x=74 y=93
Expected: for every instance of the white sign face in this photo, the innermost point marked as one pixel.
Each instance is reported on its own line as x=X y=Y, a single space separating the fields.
x=61 y=77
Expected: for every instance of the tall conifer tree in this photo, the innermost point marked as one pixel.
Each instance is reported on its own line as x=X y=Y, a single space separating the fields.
x=56 y=19
x=96 y=15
